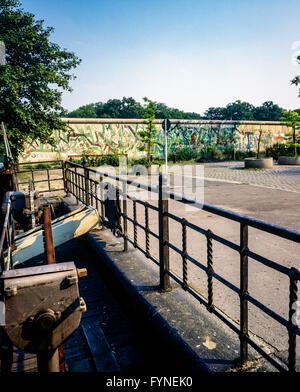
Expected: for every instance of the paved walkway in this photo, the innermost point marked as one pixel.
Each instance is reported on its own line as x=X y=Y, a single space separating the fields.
x=285 y=178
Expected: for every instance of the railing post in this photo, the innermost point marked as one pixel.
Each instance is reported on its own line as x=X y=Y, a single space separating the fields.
x=147 y=230
x=125 y=216
x=134 y=225
x=86 y=182
x=183 y=255
x=291 y=326
x=66 y=178
x=102 y=198
x=243 y=293
x=210 y=303
x=163 y=234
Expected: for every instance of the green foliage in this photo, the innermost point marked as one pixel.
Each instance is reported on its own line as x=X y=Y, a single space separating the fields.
x=32 y=81
x=148 y=136
x=292 y=119
x=217 y=154
x=111 y=160
x=268 y=111
x=296 y=79
x=183 y=154
x=127 y=108
x=238 y=110
x=40 y=166
x=241 y=155
x=282 y=149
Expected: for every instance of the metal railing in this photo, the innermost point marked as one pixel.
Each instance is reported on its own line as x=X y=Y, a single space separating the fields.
x=79 y=183
x=59 y=166
x=7 y=234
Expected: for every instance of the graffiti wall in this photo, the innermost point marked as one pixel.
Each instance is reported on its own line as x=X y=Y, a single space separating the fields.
x=113 y=136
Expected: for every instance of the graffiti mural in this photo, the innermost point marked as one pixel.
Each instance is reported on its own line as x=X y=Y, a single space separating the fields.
x=94 y=139
x=195 y=137
x=106 y=136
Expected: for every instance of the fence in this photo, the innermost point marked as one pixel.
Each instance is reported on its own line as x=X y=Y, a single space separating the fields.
x=79 y=183
x=7 y=234
x=33 y=168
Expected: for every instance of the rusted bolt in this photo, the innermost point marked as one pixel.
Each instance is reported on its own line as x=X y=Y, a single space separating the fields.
x=82 y=305
x=71 y=280
x=81 y=272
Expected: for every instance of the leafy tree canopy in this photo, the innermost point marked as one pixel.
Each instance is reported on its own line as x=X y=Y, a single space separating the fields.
x=127 y=108
x=238 y=110
x=268 y=111
x=296 y=79
x=292 y=119
x=33 y=79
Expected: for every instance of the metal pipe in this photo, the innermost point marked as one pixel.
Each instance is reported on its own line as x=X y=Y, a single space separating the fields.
x=243 y=293
x=48 y=360
x=163 y=236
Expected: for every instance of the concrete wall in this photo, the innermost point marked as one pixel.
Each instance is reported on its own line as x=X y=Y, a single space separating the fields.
x=110 y=136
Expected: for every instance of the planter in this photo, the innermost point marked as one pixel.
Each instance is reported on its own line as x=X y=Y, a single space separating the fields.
x=288 y=160
x=153 y=170
x=258 y=163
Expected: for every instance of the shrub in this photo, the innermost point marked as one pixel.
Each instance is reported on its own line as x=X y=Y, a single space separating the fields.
x=241 y=155
x=228 y=151
x=217 y=154
x=282 y=149
x=183 y=154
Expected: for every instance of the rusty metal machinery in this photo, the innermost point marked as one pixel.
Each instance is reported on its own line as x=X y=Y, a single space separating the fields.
x=41 y=306
x=27 y=209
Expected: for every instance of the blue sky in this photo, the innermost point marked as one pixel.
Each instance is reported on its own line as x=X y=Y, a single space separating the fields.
x=189 y=54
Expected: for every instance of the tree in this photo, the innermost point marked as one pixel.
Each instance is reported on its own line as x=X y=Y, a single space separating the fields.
x=296 y=79
x=292 y=119
x=233 y=111
x=268 y=111
x=86 y=111
x=32 y=81
x=128 y=108
x=148 y=135
x=239 y=111
x=215 y=113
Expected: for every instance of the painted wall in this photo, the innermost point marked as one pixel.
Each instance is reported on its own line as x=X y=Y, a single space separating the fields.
x=111 y=136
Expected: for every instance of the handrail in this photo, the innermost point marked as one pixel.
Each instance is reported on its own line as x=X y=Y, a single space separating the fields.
x=6 y=234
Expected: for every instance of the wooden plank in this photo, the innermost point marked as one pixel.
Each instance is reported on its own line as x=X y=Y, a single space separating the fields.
x=102 y=355
x=27 y=365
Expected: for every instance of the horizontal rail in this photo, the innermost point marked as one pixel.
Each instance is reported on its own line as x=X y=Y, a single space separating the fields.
x=117 y=178
x=280 y=231
x=39 y=162
x=81 y=183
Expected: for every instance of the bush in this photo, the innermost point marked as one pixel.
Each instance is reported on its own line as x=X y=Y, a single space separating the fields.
x=183 y=154
x=282 y=149
x=240 y=155
x=111 y=160
x=138 y=161
x=217 y=154
x=228 y=151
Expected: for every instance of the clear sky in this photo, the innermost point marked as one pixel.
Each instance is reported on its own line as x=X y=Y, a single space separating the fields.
x=189 y=54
